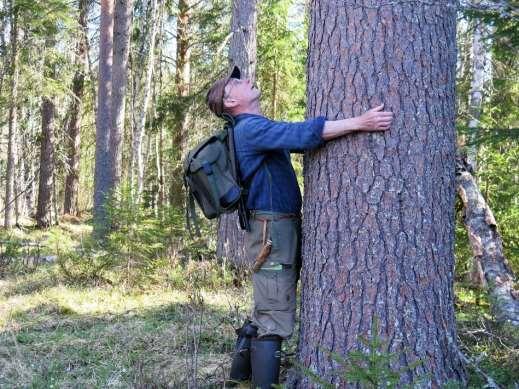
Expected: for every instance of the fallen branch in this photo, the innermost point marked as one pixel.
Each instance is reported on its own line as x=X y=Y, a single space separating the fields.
x=490 y=381
x=487 y=246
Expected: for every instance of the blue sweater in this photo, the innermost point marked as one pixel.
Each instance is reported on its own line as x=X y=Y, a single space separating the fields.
x=263 y=153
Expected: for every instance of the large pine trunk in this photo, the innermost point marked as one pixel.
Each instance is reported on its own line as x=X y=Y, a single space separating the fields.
x=13 y=125
x=74 y=127
x=242 y=52
x=104 y=119
x=45 y=192
x=378 y=234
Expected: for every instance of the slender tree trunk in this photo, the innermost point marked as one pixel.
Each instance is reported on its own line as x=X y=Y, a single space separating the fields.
x=123 y=21
x=104 y=119
x=74 y=127
x=160 y=157
x=45 y=191
x=30 y=168
x=19 y=169
x=487 y=247
x=242 y=52
x=182 y=79
x=13 y=123
x=3 y=45
x=480 y=75
x=138 y=134
x=378 y=233
x=243 y=46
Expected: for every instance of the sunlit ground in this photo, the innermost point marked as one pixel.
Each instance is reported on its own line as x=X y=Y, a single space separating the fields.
x=57 y=334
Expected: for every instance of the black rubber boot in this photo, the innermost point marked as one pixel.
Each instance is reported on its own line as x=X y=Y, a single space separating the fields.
x=240 y=368
x=265 y=361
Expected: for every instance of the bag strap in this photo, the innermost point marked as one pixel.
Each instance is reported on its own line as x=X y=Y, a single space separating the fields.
x=191 y=211
x=243 y=213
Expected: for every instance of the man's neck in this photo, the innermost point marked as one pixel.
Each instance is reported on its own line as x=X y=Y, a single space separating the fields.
x=253 y=109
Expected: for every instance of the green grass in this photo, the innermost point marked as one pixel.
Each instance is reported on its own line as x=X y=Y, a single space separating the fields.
x=64 y=336
x=56 y=333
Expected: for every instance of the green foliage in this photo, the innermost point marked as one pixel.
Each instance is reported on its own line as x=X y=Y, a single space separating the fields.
x=145 y=247
x=281 y=59
x=370 y=367
x=139 y=240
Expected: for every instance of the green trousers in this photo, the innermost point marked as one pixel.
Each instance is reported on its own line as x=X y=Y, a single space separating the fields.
x=275 y=283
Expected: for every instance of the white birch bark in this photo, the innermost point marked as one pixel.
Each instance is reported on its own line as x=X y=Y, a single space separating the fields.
x=138 y=134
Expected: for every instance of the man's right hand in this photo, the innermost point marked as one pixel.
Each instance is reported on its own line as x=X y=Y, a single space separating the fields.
x=375 y=119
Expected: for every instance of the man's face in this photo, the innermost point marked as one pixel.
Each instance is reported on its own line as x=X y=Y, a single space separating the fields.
x=240 y=93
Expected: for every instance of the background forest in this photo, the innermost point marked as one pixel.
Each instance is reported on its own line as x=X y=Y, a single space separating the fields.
x=126 y=295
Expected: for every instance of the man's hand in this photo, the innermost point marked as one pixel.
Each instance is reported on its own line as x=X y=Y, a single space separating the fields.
x=375 y=119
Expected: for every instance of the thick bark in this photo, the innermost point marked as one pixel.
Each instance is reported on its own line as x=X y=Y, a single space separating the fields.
x=242 y=52
x=46 y=174
x=74 y=136
x=13 y=124
x=138 y=132
x=104 y=118
x=182 y=79
x=122 y=24
x=378 y=233
x=487 y=247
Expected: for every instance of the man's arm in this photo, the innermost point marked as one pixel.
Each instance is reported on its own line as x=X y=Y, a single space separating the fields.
x=373 y=120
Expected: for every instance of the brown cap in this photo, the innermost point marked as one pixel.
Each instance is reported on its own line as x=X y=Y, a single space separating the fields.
x=214 y=97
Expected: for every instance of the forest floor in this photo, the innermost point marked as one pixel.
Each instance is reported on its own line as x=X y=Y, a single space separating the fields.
x=56 y=334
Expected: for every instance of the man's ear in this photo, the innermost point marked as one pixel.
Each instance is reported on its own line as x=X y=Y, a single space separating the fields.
x=230 y=103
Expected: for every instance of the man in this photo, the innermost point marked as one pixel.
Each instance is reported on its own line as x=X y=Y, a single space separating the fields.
x=274 y=201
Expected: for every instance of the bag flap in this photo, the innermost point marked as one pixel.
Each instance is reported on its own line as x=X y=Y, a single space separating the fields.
x=208 y=154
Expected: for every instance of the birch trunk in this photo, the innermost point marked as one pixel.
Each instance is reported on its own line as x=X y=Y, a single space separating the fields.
x=138 y=134
x=378 y=225
x=481 y=69
x=242 y=52
x=487 y=247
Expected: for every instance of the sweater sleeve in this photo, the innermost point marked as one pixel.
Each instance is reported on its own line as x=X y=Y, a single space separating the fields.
x=262 y=134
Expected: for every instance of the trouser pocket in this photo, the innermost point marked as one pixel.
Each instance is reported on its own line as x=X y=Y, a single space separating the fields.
x=275 y=289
